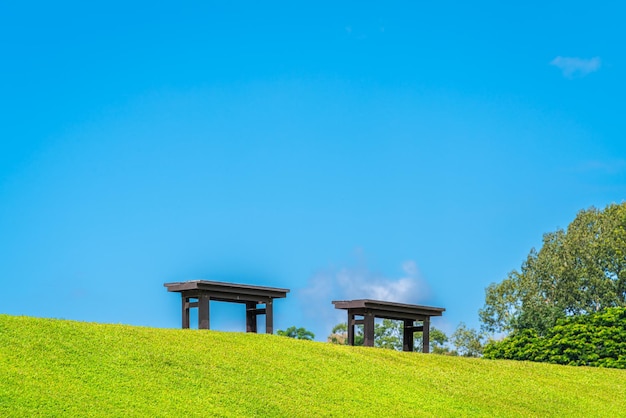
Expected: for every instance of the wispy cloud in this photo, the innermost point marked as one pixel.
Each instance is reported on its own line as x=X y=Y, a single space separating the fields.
x=574 y=67
x=615 y=166
x=358 y=282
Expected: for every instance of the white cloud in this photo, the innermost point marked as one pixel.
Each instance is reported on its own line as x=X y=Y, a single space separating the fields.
x=573 y=67
x=359 y=283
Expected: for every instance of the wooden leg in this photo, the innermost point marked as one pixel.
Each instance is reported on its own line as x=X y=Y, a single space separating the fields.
x=269 y=317
x=251 y=317
x=407 y=336
x=426 y=336
x=203 y=312
x=368 y=329
x=350 y=328
x=185 y=312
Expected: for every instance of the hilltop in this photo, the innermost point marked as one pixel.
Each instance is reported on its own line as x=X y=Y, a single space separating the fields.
x=58 y=367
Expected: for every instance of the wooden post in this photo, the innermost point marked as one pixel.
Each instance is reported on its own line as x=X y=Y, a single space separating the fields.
x=426 y=336
x=251 y=325
x=269 y=316
x=203 y=311
x=350 y=328
x=368 y=329
x=407 y=335
x=185 y=311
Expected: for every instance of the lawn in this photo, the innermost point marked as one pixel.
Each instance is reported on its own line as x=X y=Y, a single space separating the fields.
x=65 y=368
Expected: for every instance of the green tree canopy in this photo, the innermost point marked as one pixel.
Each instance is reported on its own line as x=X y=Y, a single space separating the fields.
x=438 y=342
x=388 y=334
x=339 y=335
x=297 y=333
x=579 y=270
x=468 y=341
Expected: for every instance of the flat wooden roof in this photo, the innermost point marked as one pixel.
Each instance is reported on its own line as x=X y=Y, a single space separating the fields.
x=388 y=310
x=227 y=292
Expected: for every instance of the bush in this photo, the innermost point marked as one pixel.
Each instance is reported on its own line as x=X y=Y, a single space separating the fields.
x=597 y=339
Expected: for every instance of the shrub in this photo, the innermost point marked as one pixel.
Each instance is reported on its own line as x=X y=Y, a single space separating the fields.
x=597 y=339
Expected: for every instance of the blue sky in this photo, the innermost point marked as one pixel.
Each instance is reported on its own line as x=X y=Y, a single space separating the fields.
x=411 y=150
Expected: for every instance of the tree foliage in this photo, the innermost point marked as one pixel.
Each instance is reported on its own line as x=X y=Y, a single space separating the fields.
x=438 y=342
x=577 y=271
x=468 y=341
x=597 y=339
x=297 y=333
x=389 y=334
x=339 y=335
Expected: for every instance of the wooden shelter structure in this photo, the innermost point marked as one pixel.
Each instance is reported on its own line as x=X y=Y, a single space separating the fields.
x=198 y=294
x=370 y=309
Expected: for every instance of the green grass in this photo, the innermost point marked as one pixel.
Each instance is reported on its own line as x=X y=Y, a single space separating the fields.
x=65 y=368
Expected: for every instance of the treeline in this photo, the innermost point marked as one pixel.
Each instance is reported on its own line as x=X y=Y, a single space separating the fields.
x=388 y=333
x=464 y=341
x=567 y=303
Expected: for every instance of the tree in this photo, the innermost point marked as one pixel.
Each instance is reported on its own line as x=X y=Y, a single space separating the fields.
x=577 y=271
x=389 y=334
x=468 y=342
x=297 y=333
x=438 y=342
x=339 y=335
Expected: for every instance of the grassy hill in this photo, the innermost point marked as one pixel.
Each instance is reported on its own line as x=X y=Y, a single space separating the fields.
x=65 y=368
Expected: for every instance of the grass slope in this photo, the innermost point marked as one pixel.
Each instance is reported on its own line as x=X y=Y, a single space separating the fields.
x=65 y=368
